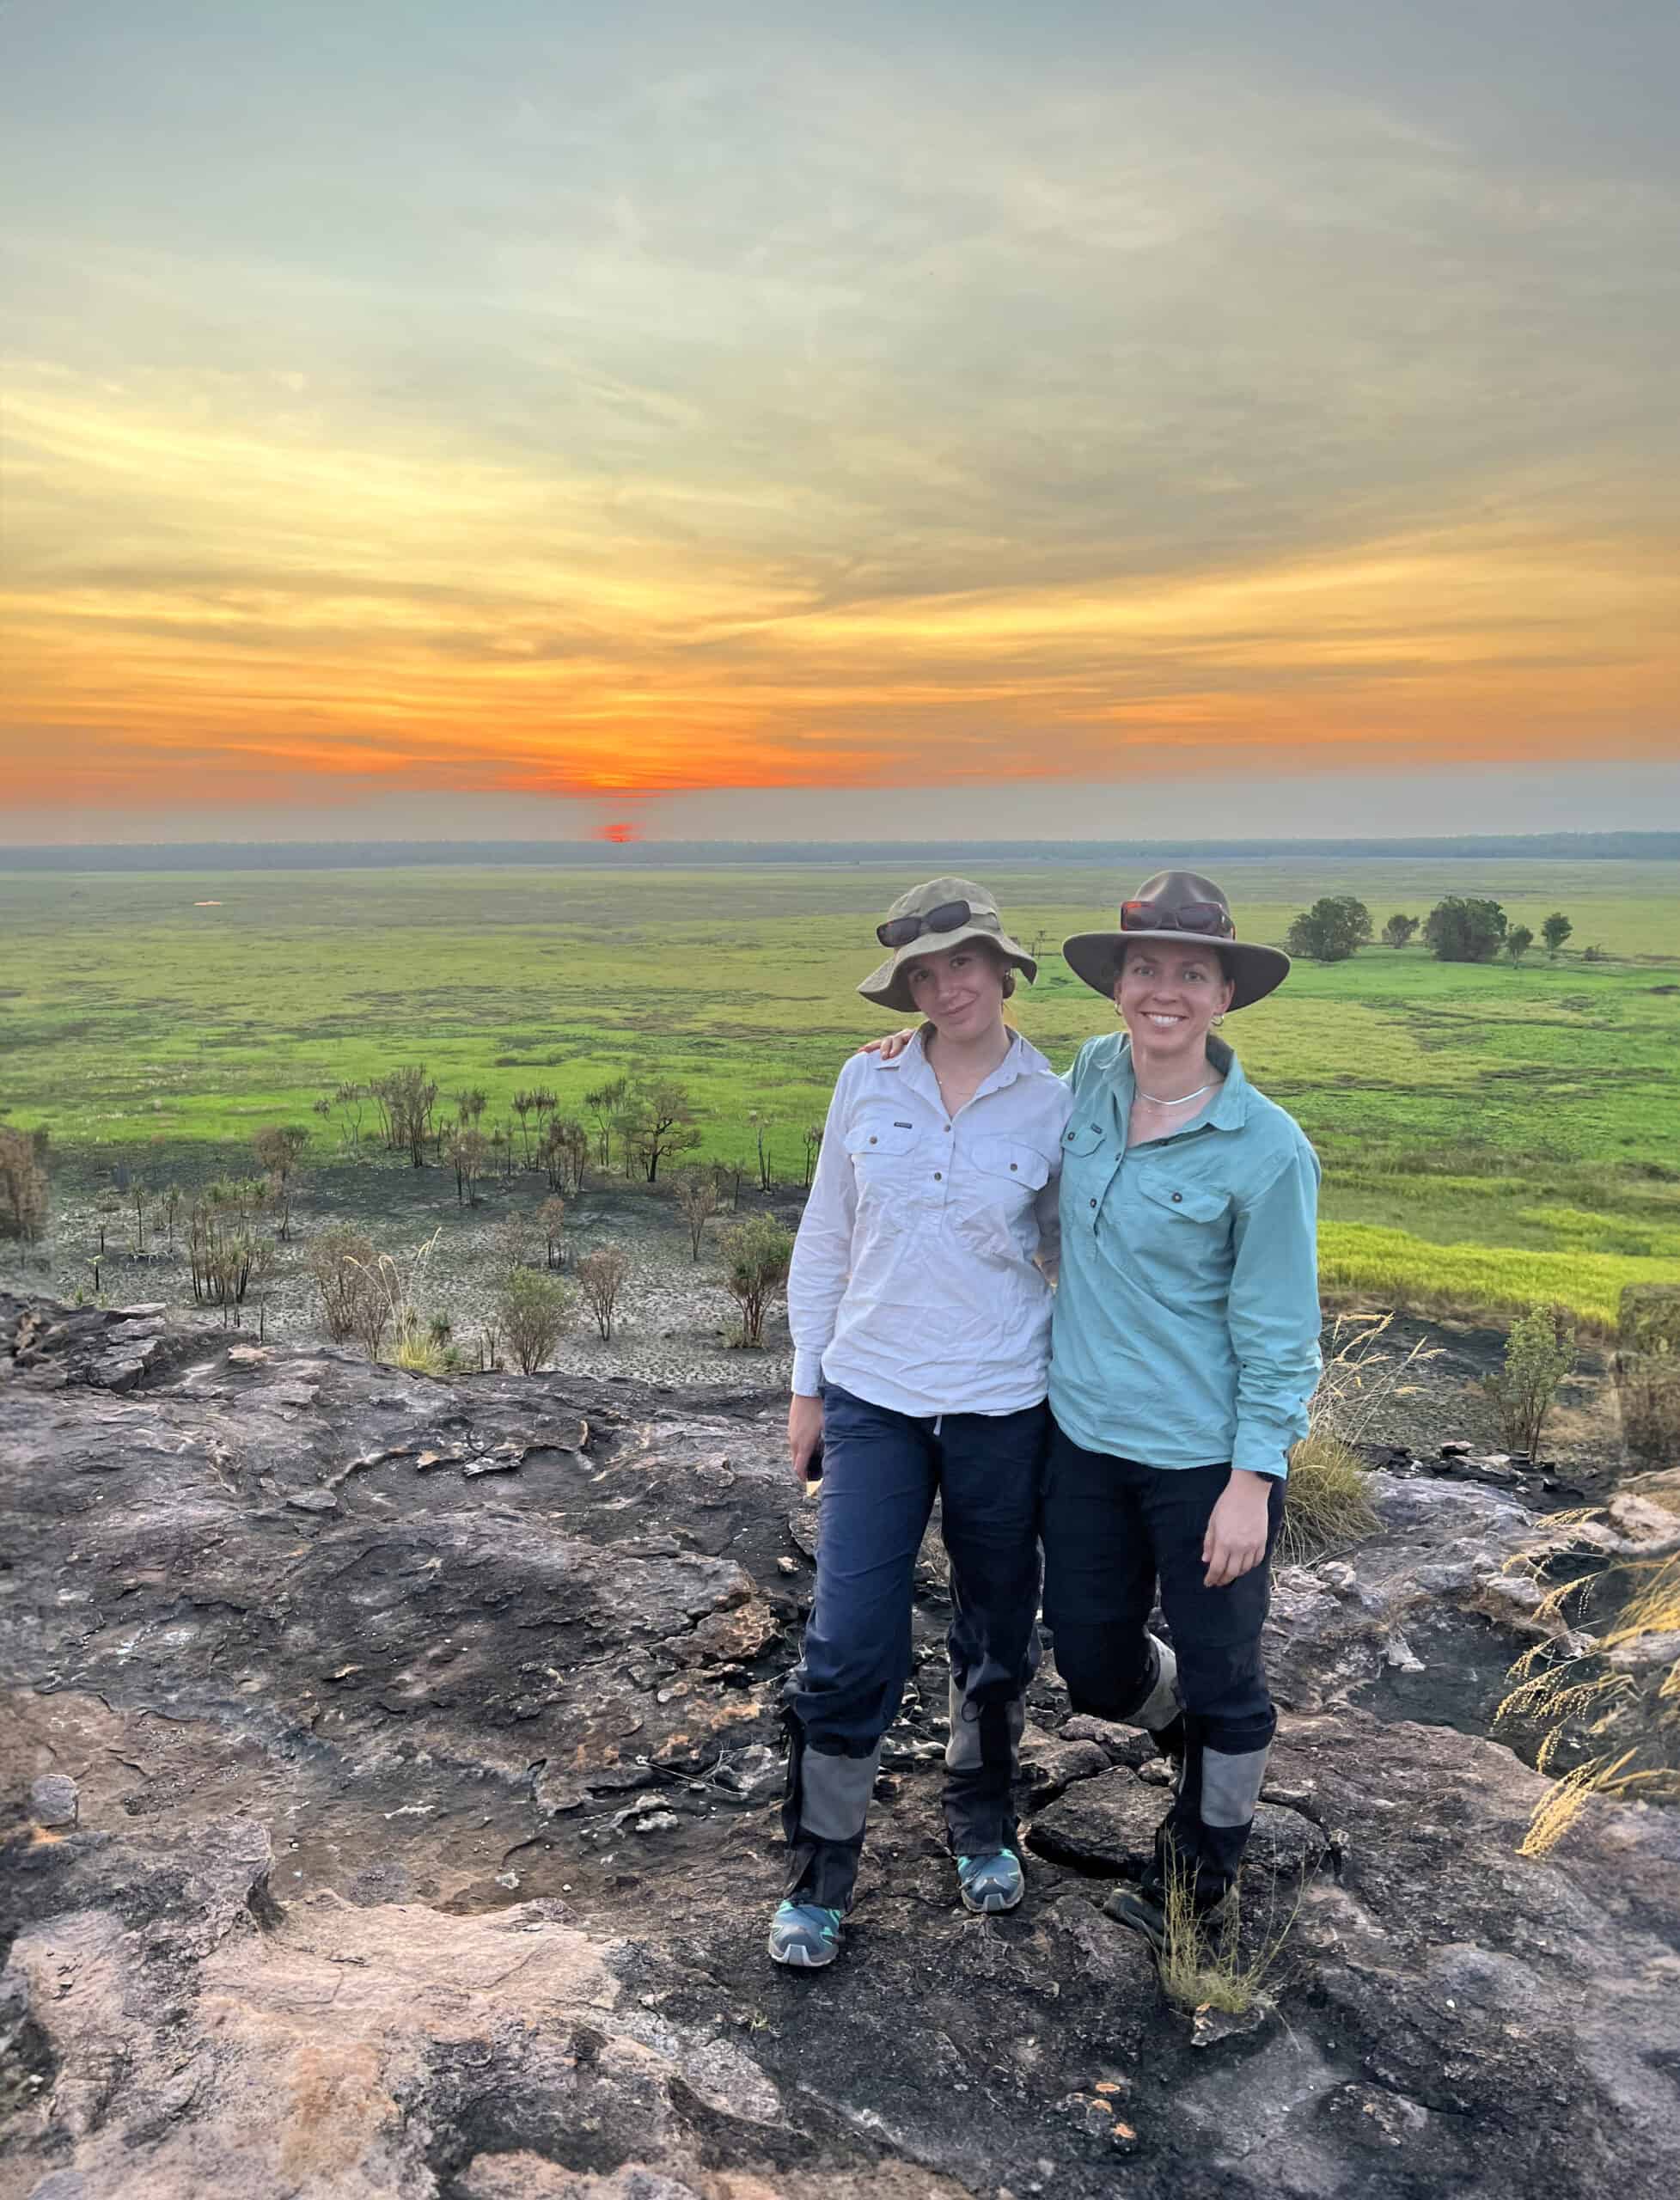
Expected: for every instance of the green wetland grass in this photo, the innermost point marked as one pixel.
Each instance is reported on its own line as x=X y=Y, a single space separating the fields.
x=1491 y=1136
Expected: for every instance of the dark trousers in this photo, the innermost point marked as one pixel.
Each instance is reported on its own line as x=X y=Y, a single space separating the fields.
x=881 y=1471
x=1114 y=1532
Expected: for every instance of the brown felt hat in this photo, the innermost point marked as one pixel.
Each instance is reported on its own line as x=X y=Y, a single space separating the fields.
x=964 y=910
x=1178 y=907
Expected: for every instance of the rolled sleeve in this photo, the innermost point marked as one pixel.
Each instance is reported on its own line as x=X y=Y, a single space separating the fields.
x=1274 y=1314
x=821 y=1264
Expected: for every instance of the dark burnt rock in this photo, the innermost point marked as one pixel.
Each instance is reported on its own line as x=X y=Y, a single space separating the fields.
x=426 y=1838
x=1106 y=1826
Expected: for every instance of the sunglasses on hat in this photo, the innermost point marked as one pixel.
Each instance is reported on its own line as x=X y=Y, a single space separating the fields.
x=1189 y=916
x=949 y=916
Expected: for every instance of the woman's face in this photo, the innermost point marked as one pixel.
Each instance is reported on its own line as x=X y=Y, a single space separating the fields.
x=1169 y=995
x=959 y=990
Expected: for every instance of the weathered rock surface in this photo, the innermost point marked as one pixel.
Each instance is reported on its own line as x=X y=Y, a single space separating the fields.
x=423 y=1843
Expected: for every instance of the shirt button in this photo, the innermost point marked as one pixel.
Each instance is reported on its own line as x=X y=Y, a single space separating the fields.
x=1014 y=1165
x=871 y=1142
x=1176 y=1197
x=938 y=1176
x=1093 y=1202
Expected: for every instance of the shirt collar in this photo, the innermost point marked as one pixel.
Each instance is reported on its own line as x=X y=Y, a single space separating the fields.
x=1230 y=1108
x=1021 y=1059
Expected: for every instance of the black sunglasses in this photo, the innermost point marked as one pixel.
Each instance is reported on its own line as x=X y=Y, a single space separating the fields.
x=1188 y=916
x=899 y=931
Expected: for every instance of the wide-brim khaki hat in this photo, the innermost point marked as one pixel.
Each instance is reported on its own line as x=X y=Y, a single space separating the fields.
x=972 y=914
x=1177 y=907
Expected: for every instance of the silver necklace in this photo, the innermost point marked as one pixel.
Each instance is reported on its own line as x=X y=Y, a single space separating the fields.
x=1156 y=1101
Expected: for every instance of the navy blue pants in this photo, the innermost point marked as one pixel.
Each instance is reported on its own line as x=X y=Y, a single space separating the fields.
x=881 y=1471
x=1115 y=1532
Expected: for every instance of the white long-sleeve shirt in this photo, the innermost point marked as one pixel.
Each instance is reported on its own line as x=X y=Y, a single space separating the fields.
x=914 y=1283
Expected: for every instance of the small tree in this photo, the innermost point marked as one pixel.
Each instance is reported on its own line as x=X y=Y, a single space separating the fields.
x=339 y=1261
x=1463 y=929
x=1397 y=932
x=565 y=1149
x=279 y=1150
x=226 y=1252
x=761 y=1123
x=407 y=1098
x=469 y=1154
x=604 y=1105
x=1518 y=942
x=551 y=1220
x=139 y=1198
x=351 y=1100
x=697 y=1194
x=23 y=1191
x=756 y=1254
x=532 y=1311
x=515 y=1241
x=663 y=1124
x=1556 y=930
x=600 y=1276
x=524 y=1102
x=1539 y=1352
x=813 y=1147
x=1331 y=929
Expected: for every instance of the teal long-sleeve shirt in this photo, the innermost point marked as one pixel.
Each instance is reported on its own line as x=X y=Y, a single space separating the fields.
x=1186 y=1317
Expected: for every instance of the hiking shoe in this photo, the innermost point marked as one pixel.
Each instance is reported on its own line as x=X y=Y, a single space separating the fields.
x=804 y=1935
x=988 y=1883
x=1132 y=1907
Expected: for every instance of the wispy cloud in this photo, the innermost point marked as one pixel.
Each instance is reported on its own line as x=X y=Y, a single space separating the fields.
x=519 y=414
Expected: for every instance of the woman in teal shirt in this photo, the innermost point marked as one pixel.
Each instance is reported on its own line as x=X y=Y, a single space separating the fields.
x=1184 y=1351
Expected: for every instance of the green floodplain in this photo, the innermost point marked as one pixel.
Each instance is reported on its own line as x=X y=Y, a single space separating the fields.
x=1492 y=1135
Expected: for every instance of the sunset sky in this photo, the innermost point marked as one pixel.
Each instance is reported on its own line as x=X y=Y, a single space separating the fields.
x=424 y=419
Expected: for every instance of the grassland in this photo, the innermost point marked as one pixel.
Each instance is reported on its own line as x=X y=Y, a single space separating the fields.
x=1491 y=1135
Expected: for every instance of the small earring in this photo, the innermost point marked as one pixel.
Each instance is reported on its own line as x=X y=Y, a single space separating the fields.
x=1220 y=1017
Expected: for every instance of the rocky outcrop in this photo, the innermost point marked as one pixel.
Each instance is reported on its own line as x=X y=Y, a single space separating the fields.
x=391 y=1769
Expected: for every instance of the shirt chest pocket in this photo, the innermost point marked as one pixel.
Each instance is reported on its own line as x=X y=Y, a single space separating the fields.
x=1183 y=1225
x=1004 y=1165
x=882 y=1149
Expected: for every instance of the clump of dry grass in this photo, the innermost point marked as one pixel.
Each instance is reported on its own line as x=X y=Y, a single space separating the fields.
x=1568 y=1685
x=1327 y=1503
x=1202 y=1972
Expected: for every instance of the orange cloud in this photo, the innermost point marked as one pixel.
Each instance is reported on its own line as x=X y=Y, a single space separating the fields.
x=245 y=615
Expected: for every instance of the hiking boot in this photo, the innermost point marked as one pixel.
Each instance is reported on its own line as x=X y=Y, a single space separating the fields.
x=1132 y=1906
x=989 y=1884
x=1141 y=1909
x=804 y=1935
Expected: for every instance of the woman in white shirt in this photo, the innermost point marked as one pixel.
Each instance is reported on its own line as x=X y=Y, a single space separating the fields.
x=921 y=1326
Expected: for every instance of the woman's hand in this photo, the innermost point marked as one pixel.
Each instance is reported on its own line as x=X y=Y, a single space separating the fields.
x=1236 y=1532
x=804 y=1434
x=892 y=1046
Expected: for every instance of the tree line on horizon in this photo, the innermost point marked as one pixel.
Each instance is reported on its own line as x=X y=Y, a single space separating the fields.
x=1460 y=928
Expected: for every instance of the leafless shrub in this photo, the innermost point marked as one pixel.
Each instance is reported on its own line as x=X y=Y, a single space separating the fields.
x=551 y=1220
x=23 y=1189
x=698 y=1194
x=340 y=1261
x=278 y=1150
x=601 y=1277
